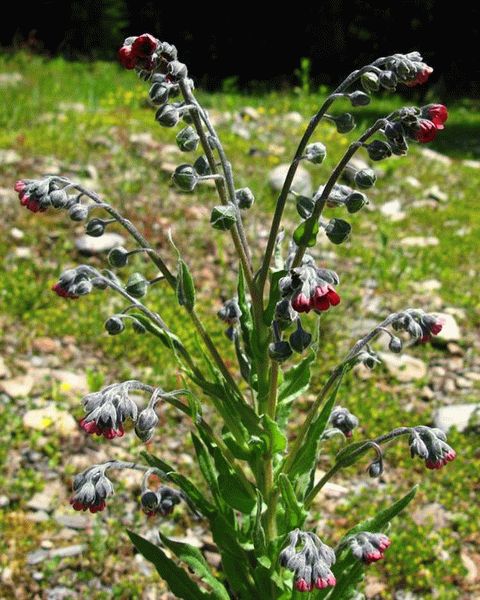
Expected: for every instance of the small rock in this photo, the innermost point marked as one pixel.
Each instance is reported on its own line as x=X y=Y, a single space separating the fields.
x=52 y=419
x=72 y=106
x=72 y=521
x=4 y=501
x=393 y=210
x=144 y=140
x=18 y=387
x=294 y=117
x=47 y=499
x=4 y=370
x=419 y=242
x=436 y=193
x=7 y=79
x=16 y=234
x=472 y=164
x=60 y=593
x=96 y=245
x=435 y=156
x=450 y=330
x=429 y=285
x=456 y=415
x=23 y=252
x=249 y=113
x=67 y=551
x=427 y=393
x=449 y=386
x=9 y=157
x=463 y=383
x=433 y=512
x=71 y=381
x=46 y=345
x=36 y=557
x=302 y=182
x=39 y=516
x=472 y=567
x=404 y=367
x=241 y=131
x=413 y=181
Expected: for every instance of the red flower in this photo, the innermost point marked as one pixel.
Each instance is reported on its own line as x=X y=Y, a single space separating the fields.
x=437 y=113
x=301 y=303
x=93 y=508
x=92 y=427
x=324 y=297
x=321 y=584
x=127 y=58
x=62 y=292
x=302 y=586
x=441 y=462
x=144 y=46
x=426 y=131
x=421 y=77
x=30 y=201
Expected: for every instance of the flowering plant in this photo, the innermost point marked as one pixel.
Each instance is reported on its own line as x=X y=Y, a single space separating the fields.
x=257 y=484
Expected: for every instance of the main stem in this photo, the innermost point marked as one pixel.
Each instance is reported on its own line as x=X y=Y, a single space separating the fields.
x=269 y=492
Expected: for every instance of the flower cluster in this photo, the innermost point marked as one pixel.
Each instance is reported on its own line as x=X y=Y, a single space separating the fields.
x=408 y=69
x=342 y=419
x=140 y=52
x=161 y=502
x=310 y=288
x=74 y=283
x=39 y=194
x=92 y=488
x=311 y=564
x=418 y=324
x=367 y=547
x=230 y=314
x=430 y=444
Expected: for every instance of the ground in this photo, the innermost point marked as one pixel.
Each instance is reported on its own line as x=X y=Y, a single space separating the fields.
x=415 y=245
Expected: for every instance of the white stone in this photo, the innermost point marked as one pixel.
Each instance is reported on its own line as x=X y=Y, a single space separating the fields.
x=472 y=164
x=50 y=418
x=419 y=242
x=96 y=245
x=403 y=366
x=450 y=330
x=455 y=415
x=393 y=210
x=435 y=156
x=302 y=182
x=71 y=381
x=18 y=387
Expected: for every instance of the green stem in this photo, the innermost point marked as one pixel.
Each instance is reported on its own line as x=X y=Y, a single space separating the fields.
x=269 y=492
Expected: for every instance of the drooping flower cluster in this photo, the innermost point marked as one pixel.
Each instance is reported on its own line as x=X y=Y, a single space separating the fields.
x=142 y=52
x=39 y=194
x=367 y=547
x=161 y=502
x=91 y=489
x=408 y=69
x=310 y=288
x=342 y=419
x=418 y=324
x=430 y=444
x=310 y=564
x=74 y=283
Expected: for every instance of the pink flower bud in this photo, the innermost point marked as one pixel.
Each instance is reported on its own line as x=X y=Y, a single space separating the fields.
x=144 y=46
x=127 y=58
x=301 y=303
x=426 y=131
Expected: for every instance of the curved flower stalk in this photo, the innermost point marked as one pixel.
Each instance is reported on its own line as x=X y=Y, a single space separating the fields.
x=257 y=484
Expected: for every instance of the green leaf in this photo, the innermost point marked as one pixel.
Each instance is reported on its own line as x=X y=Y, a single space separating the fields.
x=207 y=468
x=295 y=382
x=178 y=581
x=243 y=362
x=258 y=535
x=275 y=438
x=194 y=559
x=295 y=514
x=300 y=234
x=305 y=206
x=185 y=286
x=273 y=297
x=306 y=458
x=168 y=339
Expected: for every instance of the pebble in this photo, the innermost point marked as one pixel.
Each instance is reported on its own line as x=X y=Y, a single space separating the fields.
x=393 y=210
x=4 y=370
x=435 y=156
x=419 y=242
x=436 y=193
x=9 y=157
x=302 y=182
x=249 y=113
x=455 y=415
x=72 y=521
x=16 y=234
x=404 y=367
x=97 y=245
x=50 y=418
x=7 y=79
x=48 y=499
x=18 y=387
x=472 y=164
x=71 y=381
x=450 y=330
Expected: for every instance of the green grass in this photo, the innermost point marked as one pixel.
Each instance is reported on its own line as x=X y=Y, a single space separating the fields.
x=35 y=123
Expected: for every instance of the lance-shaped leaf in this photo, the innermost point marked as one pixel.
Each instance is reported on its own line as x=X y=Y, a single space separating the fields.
x=275 y=439
x=295 y=514
x=193 y=558
x=178 y=580
x=295 y=382
x=185 y=286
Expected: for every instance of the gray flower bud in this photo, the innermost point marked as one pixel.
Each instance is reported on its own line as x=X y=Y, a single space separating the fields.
x=103 y=487
x=59 y=198
x=147 y=419
x=149 y=501
x=379 y=150
x=300 y=339
x=365 y=178
x=201 y=166
x=245 y=198
x=375 y=469
x=185 y=177
x=395 y=345
x=280 y=351
x=388 y=80
x=338 y=231
x=315 y=153
x=177 y=70
x=82 y=288
x=223 y=217
x=118 y=257
x=370 y=82
x=114 y=325
x=137 y=285
x=159 y=93
x=187 y=139
x=345 y=123
x=355 y=202
x=78 y=212
x=359 y=98
x=167 y=115
x=95 y=227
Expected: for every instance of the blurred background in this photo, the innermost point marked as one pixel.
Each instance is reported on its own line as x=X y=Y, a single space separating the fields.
x=68 y=108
